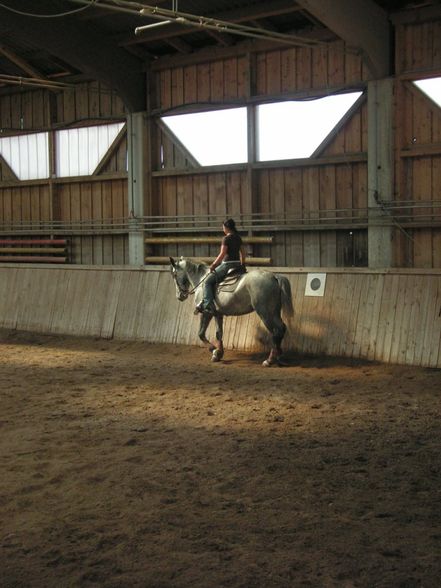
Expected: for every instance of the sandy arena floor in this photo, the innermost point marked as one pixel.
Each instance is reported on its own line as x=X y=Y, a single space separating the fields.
x=127 y=464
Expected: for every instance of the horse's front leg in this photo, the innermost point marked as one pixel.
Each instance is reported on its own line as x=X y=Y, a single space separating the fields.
x=218 y=351
x=203 y=326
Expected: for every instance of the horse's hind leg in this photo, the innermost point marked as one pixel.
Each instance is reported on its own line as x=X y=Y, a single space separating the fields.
x=277 y=328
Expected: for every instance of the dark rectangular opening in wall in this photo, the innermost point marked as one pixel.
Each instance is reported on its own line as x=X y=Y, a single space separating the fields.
x=352 y=248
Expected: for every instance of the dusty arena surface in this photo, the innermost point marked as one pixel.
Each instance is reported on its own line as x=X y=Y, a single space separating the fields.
x=129 y=464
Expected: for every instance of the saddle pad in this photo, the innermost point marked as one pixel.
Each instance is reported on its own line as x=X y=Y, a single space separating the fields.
x=229 y=284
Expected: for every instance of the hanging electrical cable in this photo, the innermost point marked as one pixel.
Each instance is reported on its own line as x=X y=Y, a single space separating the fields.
x=56 y=15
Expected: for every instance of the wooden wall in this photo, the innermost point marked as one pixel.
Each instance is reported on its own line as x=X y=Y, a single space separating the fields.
x=332 y=185
x=102 y=197
x=390 y=316
x=334 y=180
x=418 y=144
x=274 y=72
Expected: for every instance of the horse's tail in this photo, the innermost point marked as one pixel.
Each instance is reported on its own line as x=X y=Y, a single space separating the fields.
x=286 y=295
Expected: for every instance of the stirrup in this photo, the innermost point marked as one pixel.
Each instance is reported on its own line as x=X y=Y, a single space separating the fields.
x=209 y=309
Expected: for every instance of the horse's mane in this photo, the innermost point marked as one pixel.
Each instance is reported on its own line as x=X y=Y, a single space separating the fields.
x=197 y=263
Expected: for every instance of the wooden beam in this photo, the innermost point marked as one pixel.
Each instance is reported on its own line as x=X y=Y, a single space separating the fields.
x=339 y=126
x=363 y=24
x=201 y=240
x=223 y=39
x=241 y=48
x=380 y=169
x=31 y=259
x=138 y=137
x=422 y=150
x=116 y=142
x=50 y=242
x=344 y=159
x=76 y=43
x=21 y=63
x=177 y=143
x=264 y=23
x=180 y=45
x=54 y=250
x=417 y=15
x=9 y=171
x=249 y=261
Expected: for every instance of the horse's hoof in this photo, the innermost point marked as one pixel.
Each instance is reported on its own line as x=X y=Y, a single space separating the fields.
x=270 y=363
x=216 y=355
x=212 y=348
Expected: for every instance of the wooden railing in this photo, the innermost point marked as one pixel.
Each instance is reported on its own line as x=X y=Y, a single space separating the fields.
x=33 y=250
x=183 y=240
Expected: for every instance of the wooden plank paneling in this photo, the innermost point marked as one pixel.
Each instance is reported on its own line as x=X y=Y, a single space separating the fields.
x=387 y=316
x=293 y=202
x=276 y=73
x=311 y=205
x=418 y=46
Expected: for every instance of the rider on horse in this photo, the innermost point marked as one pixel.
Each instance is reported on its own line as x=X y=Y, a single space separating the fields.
x=232 y=255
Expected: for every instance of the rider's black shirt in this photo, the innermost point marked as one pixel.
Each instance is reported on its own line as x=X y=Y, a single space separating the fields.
x=233 y=242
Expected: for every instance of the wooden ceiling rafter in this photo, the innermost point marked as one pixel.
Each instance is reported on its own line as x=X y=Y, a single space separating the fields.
x=21 y=63
x=223 y=39
x=76 y=44
x=180 y=45
x=363 y=25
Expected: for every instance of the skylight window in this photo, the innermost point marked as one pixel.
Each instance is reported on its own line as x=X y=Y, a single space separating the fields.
x=294 y=129
x=27 y=155
x=79 y=151
x=213 y=138
x=432 y=88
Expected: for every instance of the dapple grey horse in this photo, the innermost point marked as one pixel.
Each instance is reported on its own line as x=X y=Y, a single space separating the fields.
x=258 y=290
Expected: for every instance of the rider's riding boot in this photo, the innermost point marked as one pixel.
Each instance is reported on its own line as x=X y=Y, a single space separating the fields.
x=208 y=308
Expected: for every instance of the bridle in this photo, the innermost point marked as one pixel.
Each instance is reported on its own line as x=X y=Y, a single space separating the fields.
x=184 y=293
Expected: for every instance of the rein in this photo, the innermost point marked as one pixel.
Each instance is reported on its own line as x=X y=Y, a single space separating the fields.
x=187 y=293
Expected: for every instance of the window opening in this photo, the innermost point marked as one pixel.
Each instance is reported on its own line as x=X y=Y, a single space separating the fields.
x=79 y=150
x=432 y=88
x=294 y=129
x=27 y=155
x=213 y=138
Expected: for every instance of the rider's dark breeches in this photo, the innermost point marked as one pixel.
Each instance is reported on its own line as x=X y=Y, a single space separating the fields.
x=214 y=278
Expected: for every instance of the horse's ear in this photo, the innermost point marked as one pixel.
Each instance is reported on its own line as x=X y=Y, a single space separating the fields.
x=172 y=261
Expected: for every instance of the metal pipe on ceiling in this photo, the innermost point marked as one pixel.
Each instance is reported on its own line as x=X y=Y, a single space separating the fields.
x=221 y=26
x=36 y=82
x=202 y=22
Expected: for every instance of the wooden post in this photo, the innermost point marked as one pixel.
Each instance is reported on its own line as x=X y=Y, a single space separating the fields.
x=137 y=146
x=251 y=184
x=380 y=170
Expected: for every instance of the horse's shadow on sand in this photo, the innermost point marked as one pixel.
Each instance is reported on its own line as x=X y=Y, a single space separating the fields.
x=293 y=359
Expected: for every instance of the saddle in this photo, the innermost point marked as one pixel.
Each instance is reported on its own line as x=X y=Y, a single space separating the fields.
x=231 y=280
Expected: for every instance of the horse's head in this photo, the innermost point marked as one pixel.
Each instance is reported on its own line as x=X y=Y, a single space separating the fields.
x=180 y=277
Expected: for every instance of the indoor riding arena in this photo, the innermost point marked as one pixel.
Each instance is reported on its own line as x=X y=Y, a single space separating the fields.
x=137 y=452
